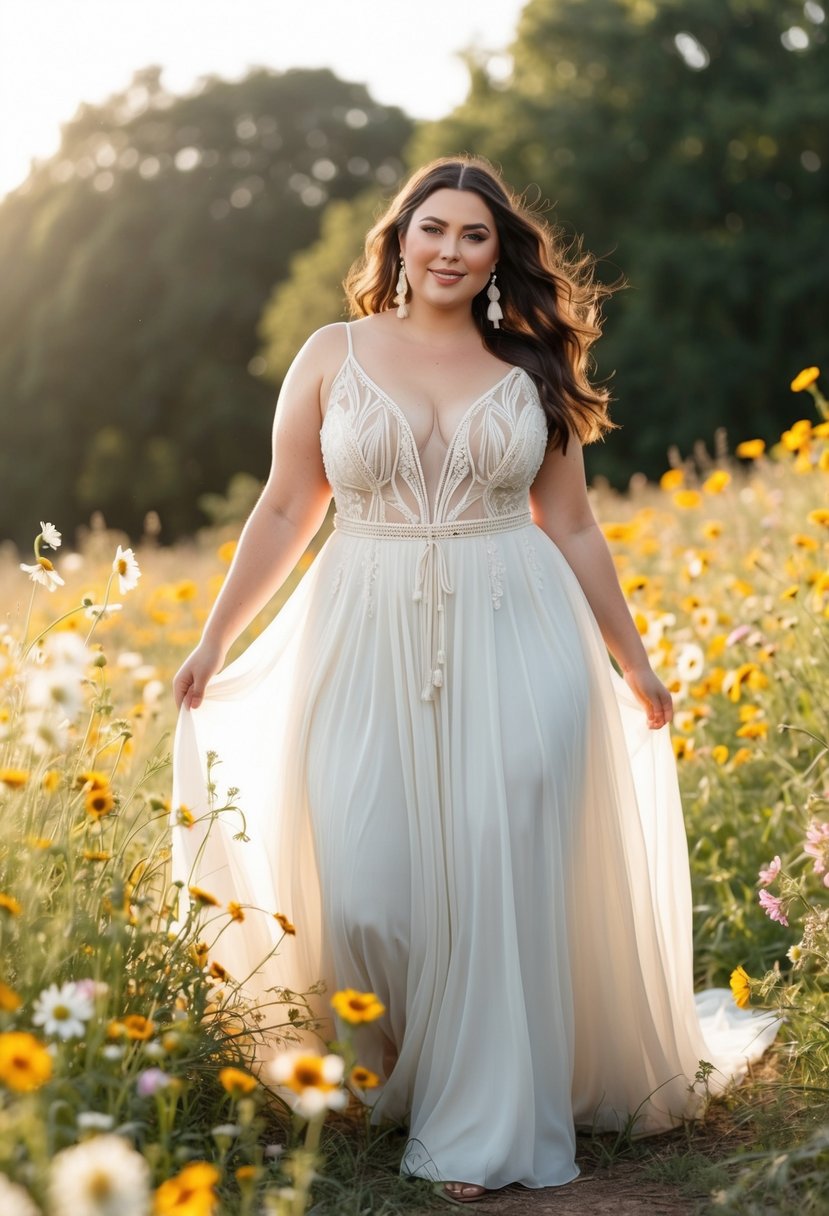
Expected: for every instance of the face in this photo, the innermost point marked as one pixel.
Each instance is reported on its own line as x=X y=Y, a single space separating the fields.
x=450 y=248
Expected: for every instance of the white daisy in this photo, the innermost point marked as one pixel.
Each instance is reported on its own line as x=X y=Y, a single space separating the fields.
x=94 y=1121
x=129 y=658
x=101 y=1177
x=62 y=1011
x=126 y=567
x=14 y=1201
x=43 y=572
x=704 y=619
x=50 y=535
x=690 y=662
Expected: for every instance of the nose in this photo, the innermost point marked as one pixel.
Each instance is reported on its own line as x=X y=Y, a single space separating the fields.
x=449 y=248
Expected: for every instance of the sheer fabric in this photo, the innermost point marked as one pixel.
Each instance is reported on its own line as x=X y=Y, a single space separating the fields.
x=458 y=803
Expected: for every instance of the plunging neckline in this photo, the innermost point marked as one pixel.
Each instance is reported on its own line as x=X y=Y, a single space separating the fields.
x=400 y=414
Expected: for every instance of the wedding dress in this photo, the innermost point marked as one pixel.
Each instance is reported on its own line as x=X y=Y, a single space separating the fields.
x=456 y=800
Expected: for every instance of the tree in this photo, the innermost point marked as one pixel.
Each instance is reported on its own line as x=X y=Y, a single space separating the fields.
x=136 y=263
x=313 y=295
x=687 y=140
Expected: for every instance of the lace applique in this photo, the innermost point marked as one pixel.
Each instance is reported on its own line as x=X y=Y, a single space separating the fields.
x=532 y=560
x=369 y=565
x=496 y=572
x=373 y=465
x=337 y=580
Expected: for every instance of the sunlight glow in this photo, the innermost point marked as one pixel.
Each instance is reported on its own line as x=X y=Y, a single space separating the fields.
x=55 y=55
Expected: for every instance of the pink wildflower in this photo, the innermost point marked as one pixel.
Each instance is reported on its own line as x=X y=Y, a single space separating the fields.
x=737 y=635
x=773 y=907
x=770 y=872
x=817 y=846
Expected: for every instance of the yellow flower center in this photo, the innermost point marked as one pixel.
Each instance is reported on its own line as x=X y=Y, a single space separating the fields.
x=61 y=1013
x=122 y=566
x=99 y=1185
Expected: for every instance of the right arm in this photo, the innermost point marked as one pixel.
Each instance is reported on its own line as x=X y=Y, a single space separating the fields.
x=286 y=517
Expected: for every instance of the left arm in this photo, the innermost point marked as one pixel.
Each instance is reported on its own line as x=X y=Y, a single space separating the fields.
x=560 y=506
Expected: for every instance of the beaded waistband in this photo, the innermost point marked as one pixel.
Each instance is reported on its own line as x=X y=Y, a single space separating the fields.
x=458 y=527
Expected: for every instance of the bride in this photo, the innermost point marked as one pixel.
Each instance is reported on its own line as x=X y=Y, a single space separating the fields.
x=450 y=790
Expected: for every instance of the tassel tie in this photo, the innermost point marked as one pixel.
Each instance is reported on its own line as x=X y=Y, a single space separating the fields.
x=432 y=585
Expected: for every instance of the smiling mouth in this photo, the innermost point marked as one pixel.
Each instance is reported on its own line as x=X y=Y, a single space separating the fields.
x=452 y=276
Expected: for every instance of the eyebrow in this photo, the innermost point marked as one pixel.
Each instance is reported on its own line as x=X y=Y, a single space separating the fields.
x=445 y=223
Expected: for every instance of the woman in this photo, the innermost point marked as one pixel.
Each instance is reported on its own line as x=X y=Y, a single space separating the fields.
x=450 y=792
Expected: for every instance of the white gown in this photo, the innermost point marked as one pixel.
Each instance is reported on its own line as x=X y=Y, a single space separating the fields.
x=458 y=803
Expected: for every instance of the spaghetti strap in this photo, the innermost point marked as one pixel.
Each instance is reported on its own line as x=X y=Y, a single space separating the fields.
x=347 y=325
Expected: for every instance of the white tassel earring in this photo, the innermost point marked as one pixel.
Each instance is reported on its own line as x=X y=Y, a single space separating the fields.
x=402 y=290
x=493 y=312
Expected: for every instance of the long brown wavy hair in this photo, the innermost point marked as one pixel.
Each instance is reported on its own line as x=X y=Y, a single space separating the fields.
x=551 y=302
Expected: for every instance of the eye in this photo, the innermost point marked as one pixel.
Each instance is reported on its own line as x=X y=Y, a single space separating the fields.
x=429 y=228
x=477 y=237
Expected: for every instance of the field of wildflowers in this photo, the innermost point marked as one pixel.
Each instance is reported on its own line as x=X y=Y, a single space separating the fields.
x=127 y=1081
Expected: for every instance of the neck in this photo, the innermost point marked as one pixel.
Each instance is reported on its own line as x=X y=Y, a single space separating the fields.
x=446 y=325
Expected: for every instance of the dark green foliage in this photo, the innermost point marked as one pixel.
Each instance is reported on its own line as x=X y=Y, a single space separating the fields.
x=135 y=265
x=704 y=185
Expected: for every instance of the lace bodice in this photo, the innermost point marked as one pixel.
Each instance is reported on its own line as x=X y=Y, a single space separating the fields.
x=375 y=470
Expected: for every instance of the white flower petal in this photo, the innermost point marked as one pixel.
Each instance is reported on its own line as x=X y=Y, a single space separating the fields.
x=50 y=535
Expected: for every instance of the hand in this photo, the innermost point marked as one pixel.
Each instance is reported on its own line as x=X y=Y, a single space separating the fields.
x=651 y=694
x=194 y=674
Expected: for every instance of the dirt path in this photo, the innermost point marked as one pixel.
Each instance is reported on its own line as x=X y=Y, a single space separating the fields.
x=620 y=1191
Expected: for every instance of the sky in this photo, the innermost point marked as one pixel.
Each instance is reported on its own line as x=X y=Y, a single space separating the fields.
x=56 y=54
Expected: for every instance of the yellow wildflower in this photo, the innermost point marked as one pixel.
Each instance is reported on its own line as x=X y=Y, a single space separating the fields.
x=225 y=552
x=199 y=952
x=802 y=541
x=184 y=816
x=25 y=1064
x=753 y=730
x=133 y=1026
x=9 y=904
x=717 y=482
x=236 y=911
x=741 y=756
x=682 y=747
x=50 y=781
x=236 y=1082
x=804 y=379
x=96 y=855
x=671 y=480
x=203 y=897
x=790 y=592
x=740 y=986
x=819 y=516
x=14 y=778
x=91 y=779
x=9 y=999
x=823 y=461
x=185 y=589
x=363 y=1078
x=751 y=449
x=99 y=802
x=634 y=582
x=189 y=1193
x=712 y=529
x=356 y=1007
x=620 y=532
x=797 y=436
x=284 y=924
x=687 y=500
x=719 y=753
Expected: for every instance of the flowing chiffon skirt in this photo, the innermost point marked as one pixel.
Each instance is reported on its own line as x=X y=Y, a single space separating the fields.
x=504 y=864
